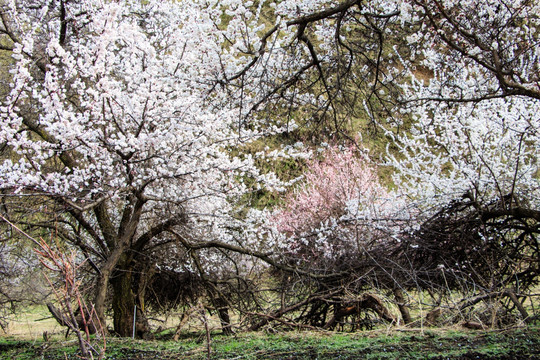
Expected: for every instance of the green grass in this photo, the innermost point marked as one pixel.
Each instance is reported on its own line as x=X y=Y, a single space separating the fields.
x=522 y=343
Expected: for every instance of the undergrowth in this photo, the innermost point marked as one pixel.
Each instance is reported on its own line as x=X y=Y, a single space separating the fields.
x=438 y=344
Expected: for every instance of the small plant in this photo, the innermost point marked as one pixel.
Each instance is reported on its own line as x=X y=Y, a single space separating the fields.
x=74 y=313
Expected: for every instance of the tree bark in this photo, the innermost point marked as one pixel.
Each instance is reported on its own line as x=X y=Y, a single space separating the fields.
x=403 y=308
x=224 y=318
x=123 y=302
x=118 y=243
x=103 y=283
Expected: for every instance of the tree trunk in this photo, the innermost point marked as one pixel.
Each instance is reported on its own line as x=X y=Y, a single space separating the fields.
x=225 y=319
x=403 y=308
x=103 y=283
x=117 y=259
x=123 y=302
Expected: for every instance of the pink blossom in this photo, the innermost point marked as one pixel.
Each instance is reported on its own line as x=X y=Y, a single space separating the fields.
x=331 y=185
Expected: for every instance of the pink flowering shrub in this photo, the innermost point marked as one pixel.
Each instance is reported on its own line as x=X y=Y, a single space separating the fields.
x=340 y=209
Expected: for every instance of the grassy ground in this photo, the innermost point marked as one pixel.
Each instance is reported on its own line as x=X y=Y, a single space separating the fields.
x=31 y=323
x=24 y=340
x=520 y=343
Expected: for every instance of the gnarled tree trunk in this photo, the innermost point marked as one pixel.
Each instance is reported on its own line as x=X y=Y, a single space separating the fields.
x=123 y=302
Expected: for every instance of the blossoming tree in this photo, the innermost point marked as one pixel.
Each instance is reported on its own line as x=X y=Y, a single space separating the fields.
x=469 y=160
x=114 y=123
x=455 y=86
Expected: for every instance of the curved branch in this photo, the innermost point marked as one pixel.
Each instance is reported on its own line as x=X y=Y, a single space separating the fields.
x=262 y=256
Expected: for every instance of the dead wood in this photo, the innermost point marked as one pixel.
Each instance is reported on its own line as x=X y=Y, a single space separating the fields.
x=366 y=302
x=77 y=323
